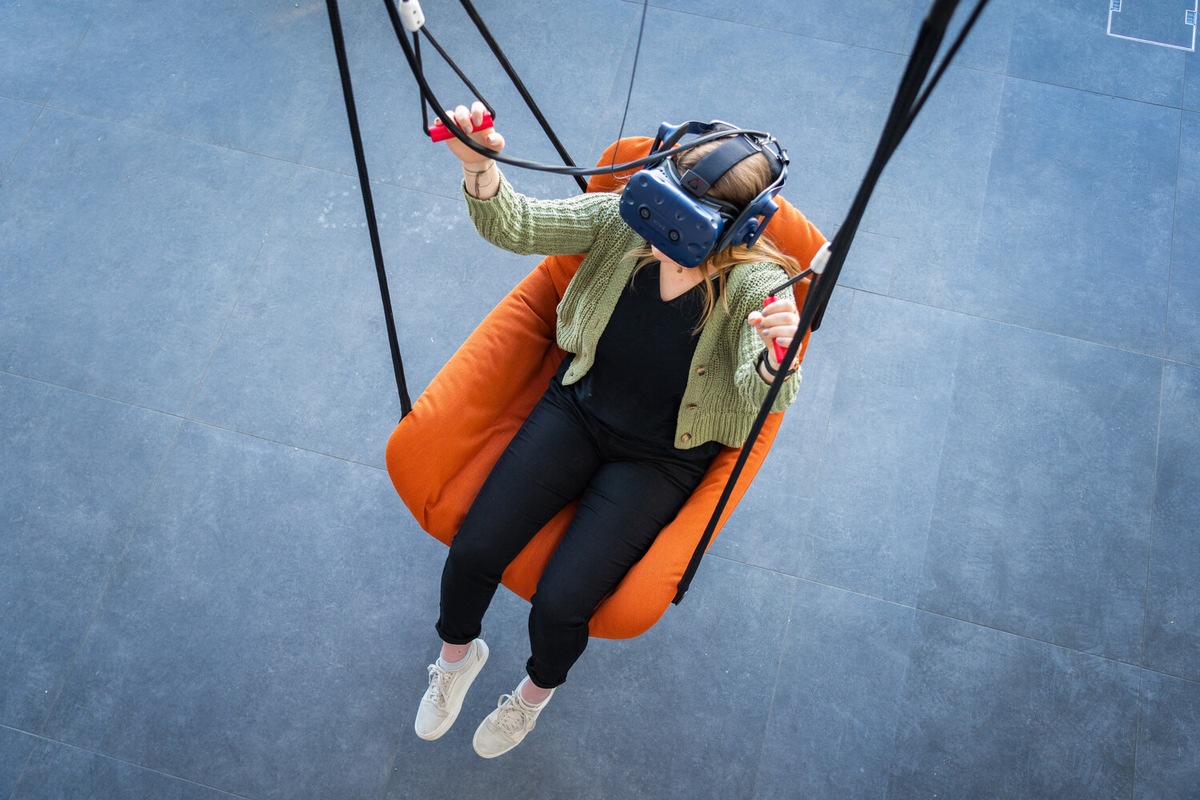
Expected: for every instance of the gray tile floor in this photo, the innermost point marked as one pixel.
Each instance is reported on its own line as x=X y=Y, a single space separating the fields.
x=967 y=570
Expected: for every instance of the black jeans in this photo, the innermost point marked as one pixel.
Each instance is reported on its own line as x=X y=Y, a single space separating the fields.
x=628 y=493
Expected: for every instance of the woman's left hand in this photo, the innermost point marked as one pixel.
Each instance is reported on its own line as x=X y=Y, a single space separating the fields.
x=778 y=322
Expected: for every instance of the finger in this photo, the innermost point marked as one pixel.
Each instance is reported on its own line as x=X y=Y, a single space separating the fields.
x=781 y=313
x=780 y=307
x=462 y=117
x=782 y=326
x=478 y=109
x=782 y=317
x=495 y=141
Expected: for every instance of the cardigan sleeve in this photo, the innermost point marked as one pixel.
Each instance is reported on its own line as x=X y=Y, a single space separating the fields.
x=750 y=384
x=526 y=225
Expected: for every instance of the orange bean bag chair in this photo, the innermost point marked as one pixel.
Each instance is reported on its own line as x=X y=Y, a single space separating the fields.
x=441 y=452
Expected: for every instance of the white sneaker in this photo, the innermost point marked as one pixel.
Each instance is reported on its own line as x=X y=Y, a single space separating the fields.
x=507 y=726
x=447 y=688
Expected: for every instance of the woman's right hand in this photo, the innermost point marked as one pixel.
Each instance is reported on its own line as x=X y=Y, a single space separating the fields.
x=470 y=120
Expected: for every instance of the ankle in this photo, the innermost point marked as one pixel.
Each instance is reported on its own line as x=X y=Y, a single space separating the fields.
x=453 y=653
x=533 y=694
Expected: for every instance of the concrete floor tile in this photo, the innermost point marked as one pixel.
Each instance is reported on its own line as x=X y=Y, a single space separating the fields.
x=1081 y=190
x=1172 y=598
x=1183 y=312
x=1169 y=727
x=984 y=714
x=250 y=76
x=58 y=771
x=16 y=120
x=1041 y=523
x=37 y=40
x=124 y=252
x=1066 y=43
x=876 y=487
x=75 y=473
x=252 y=637
x=15 y=749
x=837 y=698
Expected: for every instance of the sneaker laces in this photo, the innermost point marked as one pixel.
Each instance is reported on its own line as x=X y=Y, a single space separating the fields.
x=439 y=685
x=512 y=714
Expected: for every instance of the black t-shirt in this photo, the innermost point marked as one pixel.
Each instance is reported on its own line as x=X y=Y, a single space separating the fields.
x=643 y=359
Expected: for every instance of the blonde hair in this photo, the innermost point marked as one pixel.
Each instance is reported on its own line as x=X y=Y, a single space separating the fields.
x=738 y=186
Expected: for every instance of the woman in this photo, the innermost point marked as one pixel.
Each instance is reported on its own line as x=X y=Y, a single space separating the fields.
x=666 y=365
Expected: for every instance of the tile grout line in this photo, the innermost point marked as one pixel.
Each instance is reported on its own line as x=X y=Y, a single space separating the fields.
x=906 y=53
x=199 y=422
x=44 y=104
x=3 y=176
x=47 y=740
x=1137 y=728
x=1162 y=389
x=1020 y=326
x=21 y=147
x=134 y=522
x=787 y=632
x=953 y=618
x=255 y=267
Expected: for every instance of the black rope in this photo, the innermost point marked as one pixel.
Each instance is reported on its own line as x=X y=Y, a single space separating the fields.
x=637 y=54
x=908 y=102
x=364 y=182
x=520 y=86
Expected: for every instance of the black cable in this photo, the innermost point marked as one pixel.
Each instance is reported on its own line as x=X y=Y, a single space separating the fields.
x=429 y=97
x=520 y=86
x=637 y=52
x=420 y=66
x=462 y=75
x=364 y=181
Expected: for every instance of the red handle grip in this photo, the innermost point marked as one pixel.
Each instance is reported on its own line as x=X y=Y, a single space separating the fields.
x=440 y=133
x=780 y=350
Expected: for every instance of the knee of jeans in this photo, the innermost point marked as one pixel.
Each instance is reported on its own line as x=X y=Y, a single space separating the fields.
x=473 y=557
x=558 y=610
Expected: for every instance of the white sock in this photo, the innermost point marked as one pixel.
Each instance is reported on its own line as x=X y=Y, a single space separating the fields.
x=450 y=666
x=526 y=702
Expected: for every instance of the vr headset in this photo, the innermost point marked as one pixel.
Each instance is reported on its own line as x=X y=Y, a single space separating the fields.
x=673 y=211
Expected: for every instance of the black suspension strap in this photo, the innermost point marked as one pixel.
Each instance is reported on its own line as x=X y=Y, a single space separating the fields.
x=908 y=102
x=364 y=182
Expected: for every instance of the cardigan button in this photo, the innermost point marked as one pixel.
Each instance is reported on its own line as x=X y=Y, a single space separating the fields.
x=692 y=407
x=687 y=437
x=701 y=370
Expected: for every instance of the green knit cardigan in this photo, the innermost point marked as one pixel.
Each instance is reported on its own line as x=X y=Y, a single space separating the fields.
x=724 y=390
